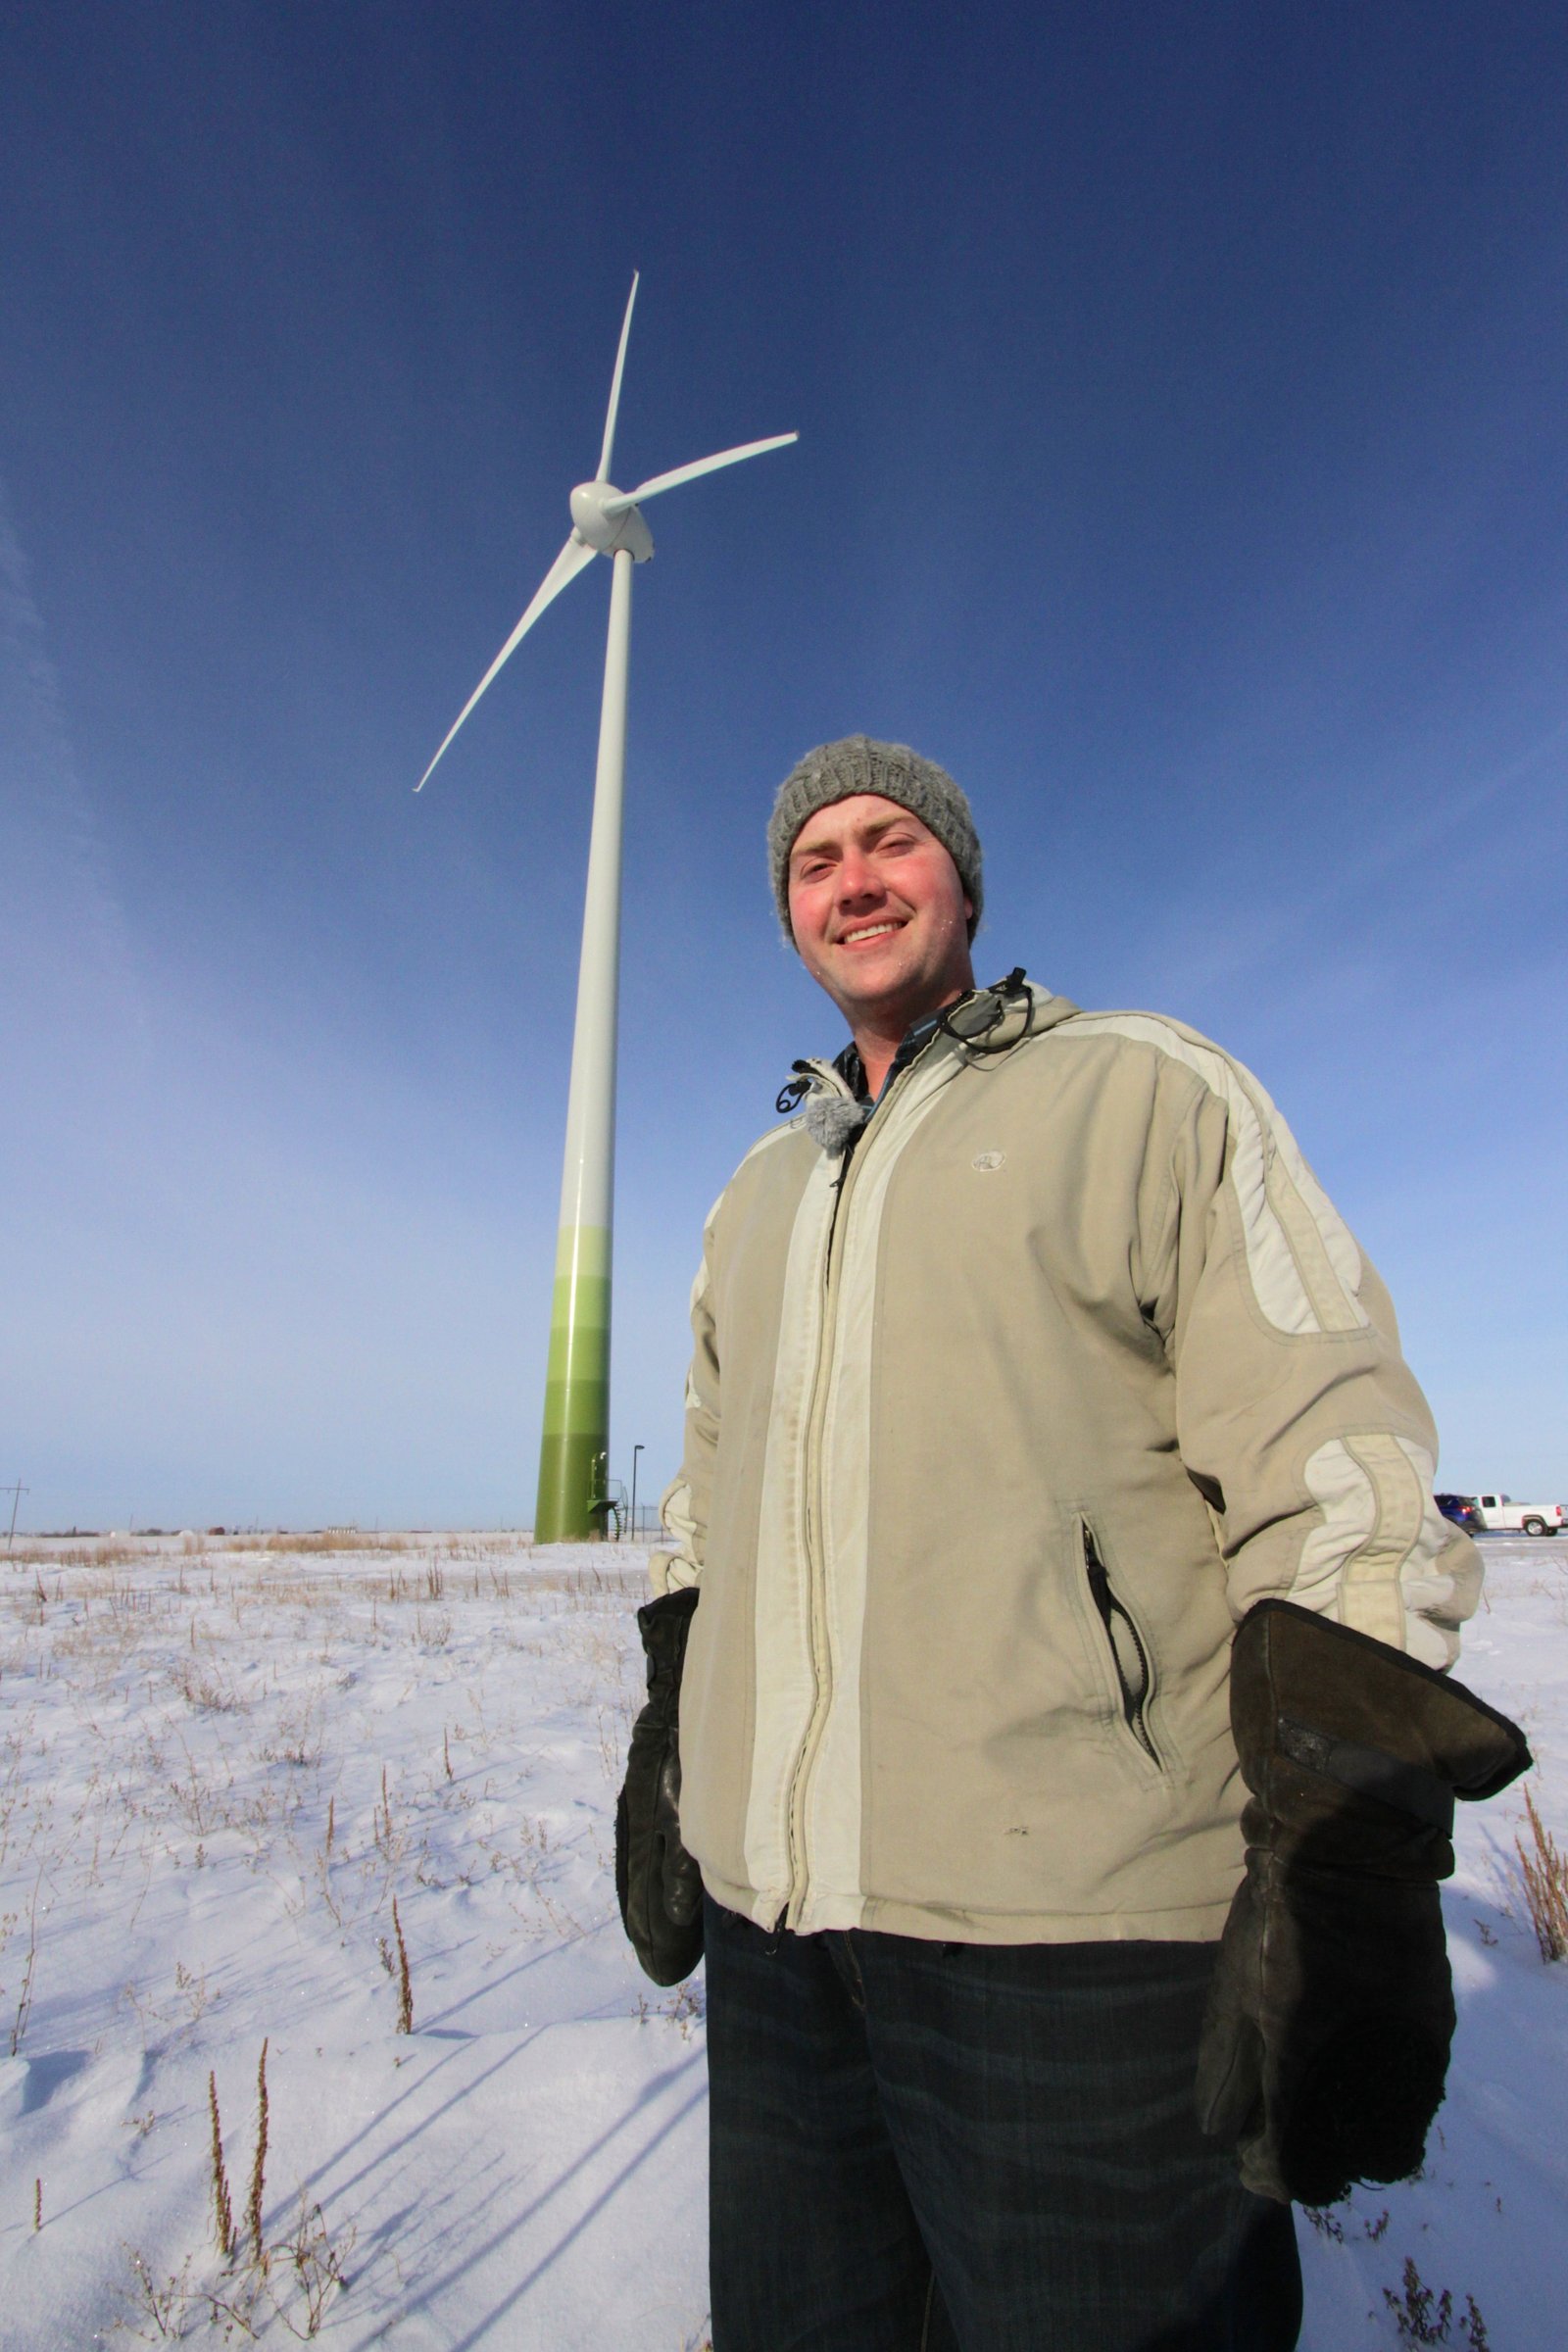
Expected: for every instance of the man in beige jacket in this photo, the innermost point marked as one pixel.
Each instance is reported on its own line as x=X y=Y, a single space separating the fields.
x=1030 y=1361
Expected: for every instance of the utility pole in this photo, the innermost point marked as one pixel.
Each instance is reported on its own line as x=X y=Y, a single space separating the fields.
x=635 y=1452
x=16 y=1494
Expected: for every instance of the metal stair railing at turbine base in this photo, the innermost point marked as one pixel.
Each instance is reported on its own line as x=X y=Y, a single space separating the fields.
x=613 y=1519
x=607 y=1505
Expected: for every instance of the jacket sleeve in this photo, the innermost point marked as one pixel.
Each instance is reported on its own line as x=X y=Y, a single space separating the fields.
x=1297 y=1418
x=685 y=1503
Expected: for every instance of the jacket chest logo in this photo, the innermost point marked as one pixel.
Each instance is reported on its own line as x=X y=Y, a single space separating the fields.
x=984 y=1161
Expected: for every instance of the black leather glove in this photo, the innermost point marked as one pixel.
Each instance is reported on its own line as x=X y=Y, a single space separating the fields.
x=659 y=1885
x=1326 y=2044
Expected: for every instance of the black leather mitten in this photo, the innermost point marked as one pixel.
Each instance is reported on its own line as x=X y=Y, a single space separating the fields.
x=1326 y=2044
x=659 y=1885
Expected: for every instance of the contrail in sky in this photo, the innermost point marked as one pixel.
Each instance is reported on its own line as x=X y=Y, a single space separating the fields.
x=56 y=895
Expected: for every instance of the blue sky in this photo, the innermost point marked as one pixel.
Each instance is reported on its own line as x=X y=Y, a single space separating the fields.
x=1184 y=408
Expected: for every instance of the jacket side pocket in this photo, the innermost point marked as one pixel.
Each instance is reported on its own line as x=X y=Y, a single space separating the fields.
x=1128 y=1652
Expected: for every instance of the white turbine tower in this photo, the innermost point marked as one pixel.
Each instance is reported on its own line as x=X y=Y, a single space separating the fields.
x=573 y=1449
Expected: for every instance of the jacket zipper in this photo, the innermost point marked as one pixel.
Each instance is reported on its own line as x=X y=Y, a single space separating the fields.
x=816 y=1634
x=1121 y=1632
x=815 y=1418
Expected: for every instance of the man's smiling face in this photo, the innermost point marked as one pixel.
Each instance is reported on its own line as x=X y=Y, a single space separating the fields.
x=878 y=912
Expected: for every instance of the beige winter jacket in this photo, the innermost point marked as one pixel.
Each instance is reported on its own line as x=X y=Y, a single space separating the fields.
x=994 y=1430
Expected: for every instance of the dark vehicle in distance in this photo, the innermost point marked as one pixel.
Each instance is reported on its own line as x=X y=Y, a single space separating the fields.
x=1462 y=1509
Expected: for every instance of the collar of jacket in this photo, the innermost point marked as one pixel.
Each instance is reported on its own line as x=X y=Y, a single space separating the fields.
x=985 y=1022
x=852 y=1069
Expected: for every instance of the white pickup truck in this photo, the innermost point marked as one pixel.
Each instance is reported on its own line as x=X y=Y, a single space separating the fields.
x=1500 y=1511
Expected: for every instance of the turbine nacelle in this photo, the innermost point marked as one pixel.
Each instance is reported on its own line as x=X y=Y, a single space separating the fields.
x=607 y=531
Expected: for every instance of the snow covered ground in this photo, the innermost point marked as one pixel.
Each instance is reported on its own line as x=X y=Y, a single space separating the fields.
x=221 y=1763
x=218 y=1769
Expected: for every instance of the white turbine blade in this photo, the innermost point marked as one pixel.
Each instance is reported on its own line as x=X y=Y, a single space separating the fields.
x=602 y=475
x=565 y=567
x=689 y=473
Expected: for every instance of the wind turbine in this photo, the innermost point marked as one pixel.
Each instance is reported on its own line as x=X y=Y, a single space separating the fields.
x=575 y=1446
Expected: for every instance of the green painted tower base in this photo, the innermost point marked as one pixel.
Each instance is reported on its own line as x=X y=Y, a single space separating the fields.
x=573 y=1449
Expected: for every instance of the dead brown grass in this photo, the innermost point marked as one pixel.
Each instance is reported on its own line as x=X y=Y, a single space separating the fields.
x=1544 y=1868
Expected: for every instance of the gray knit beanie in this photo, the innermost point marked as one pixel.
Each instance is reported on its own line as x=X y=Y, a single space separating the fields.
x=836 y=771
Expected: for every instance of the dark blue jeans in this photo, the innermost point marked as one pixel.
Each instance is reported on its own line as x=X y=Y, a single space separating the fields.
x=939 y=2147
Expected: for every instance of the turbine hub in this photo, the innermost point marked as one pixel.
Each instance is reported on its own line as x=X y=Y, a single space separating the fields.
x=610 y=532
